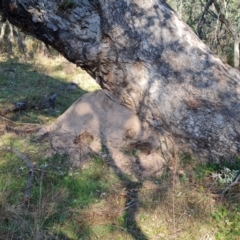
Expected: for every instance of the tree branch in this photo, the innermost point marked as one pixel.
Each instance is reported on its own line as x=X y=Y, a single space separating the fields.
x=202 y=20
x=223 y=19
x=230 y=185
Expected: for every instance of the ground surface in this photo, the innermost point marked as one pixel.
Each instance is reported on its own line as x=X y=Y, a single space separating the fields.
x=99 y=173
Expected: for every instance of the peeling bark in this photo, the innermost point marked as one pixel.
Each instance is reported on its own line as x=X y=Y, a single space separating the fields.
x=148 y=60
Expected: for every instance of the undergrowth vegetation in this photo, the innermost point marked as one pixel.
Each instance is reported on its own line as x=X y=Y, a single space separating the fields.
x=97 y=202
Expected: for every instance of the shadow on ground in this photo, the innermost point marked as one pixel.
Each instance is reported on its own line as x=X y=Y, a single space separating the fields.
x=29 y=95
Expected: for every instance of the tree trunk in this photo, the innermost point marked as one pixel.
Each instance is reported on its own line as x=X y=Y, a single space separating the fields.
x=228 y=25
x=236 y=50
x=149 y=61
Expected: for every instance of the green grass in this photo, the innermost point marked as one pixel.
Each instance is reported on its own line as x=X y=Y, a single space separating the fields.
x=55 y=195
x=227 y=219
x=35 y=82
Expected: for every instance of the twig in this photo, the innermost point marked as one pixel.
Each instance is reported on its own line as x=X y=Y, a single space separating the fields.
x=230 y=185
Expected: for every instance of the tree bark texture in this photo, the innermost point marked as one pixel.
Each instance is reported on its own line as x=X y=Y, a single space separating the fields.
x=148 y=60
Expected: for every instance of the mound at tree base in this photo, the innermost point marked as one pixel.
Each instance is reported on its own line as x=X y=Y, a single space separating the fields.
x=151 y=62
x=97 y=124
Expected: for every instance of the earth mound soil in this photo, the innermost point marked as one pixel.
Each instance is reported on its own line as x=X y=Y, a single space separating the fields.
x=96 y=123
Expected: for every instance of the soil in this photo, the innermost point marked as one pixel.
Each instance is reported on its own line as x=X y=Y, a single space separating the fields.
x=97 y=124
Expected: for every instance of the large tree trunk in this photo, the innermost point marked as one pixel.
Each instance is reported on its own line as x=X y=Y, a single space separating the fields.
x=236 y=50
x=148 y=60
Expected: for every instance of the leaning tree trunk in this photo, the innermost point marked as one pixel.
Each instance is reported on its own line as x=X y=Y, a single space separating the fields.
x=148 y=60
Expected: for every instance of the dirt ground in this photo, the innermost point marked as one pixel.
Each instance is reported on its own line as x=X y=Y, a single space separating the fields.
x=96 y=123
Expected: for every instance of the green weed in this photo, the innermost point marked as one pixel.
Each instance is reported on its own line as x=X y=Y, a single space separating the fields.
x=227 y=220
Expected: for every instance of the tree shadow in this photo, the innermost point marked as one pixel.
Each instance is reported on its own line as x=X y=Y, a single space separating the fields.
x=132 y=200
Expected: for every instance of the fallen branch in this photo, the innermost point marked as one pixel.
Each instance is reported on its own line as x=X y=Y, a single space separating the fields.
x=230 y=185
x=22 y=130
x=18 y=123
x=18 y=106
x=31 y=167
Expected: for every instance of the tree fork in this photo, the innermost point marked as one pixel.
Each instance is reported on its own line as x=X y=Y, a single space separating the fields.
x=148 y=60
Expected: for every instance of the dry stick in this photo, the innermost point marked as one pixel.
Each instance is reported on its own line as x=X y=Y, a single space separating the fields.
x=30 y=174
x=230 y=185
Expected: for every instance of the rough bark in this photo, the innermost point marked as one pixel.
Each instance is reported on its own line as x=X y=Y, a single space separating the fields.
x=148 y=60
